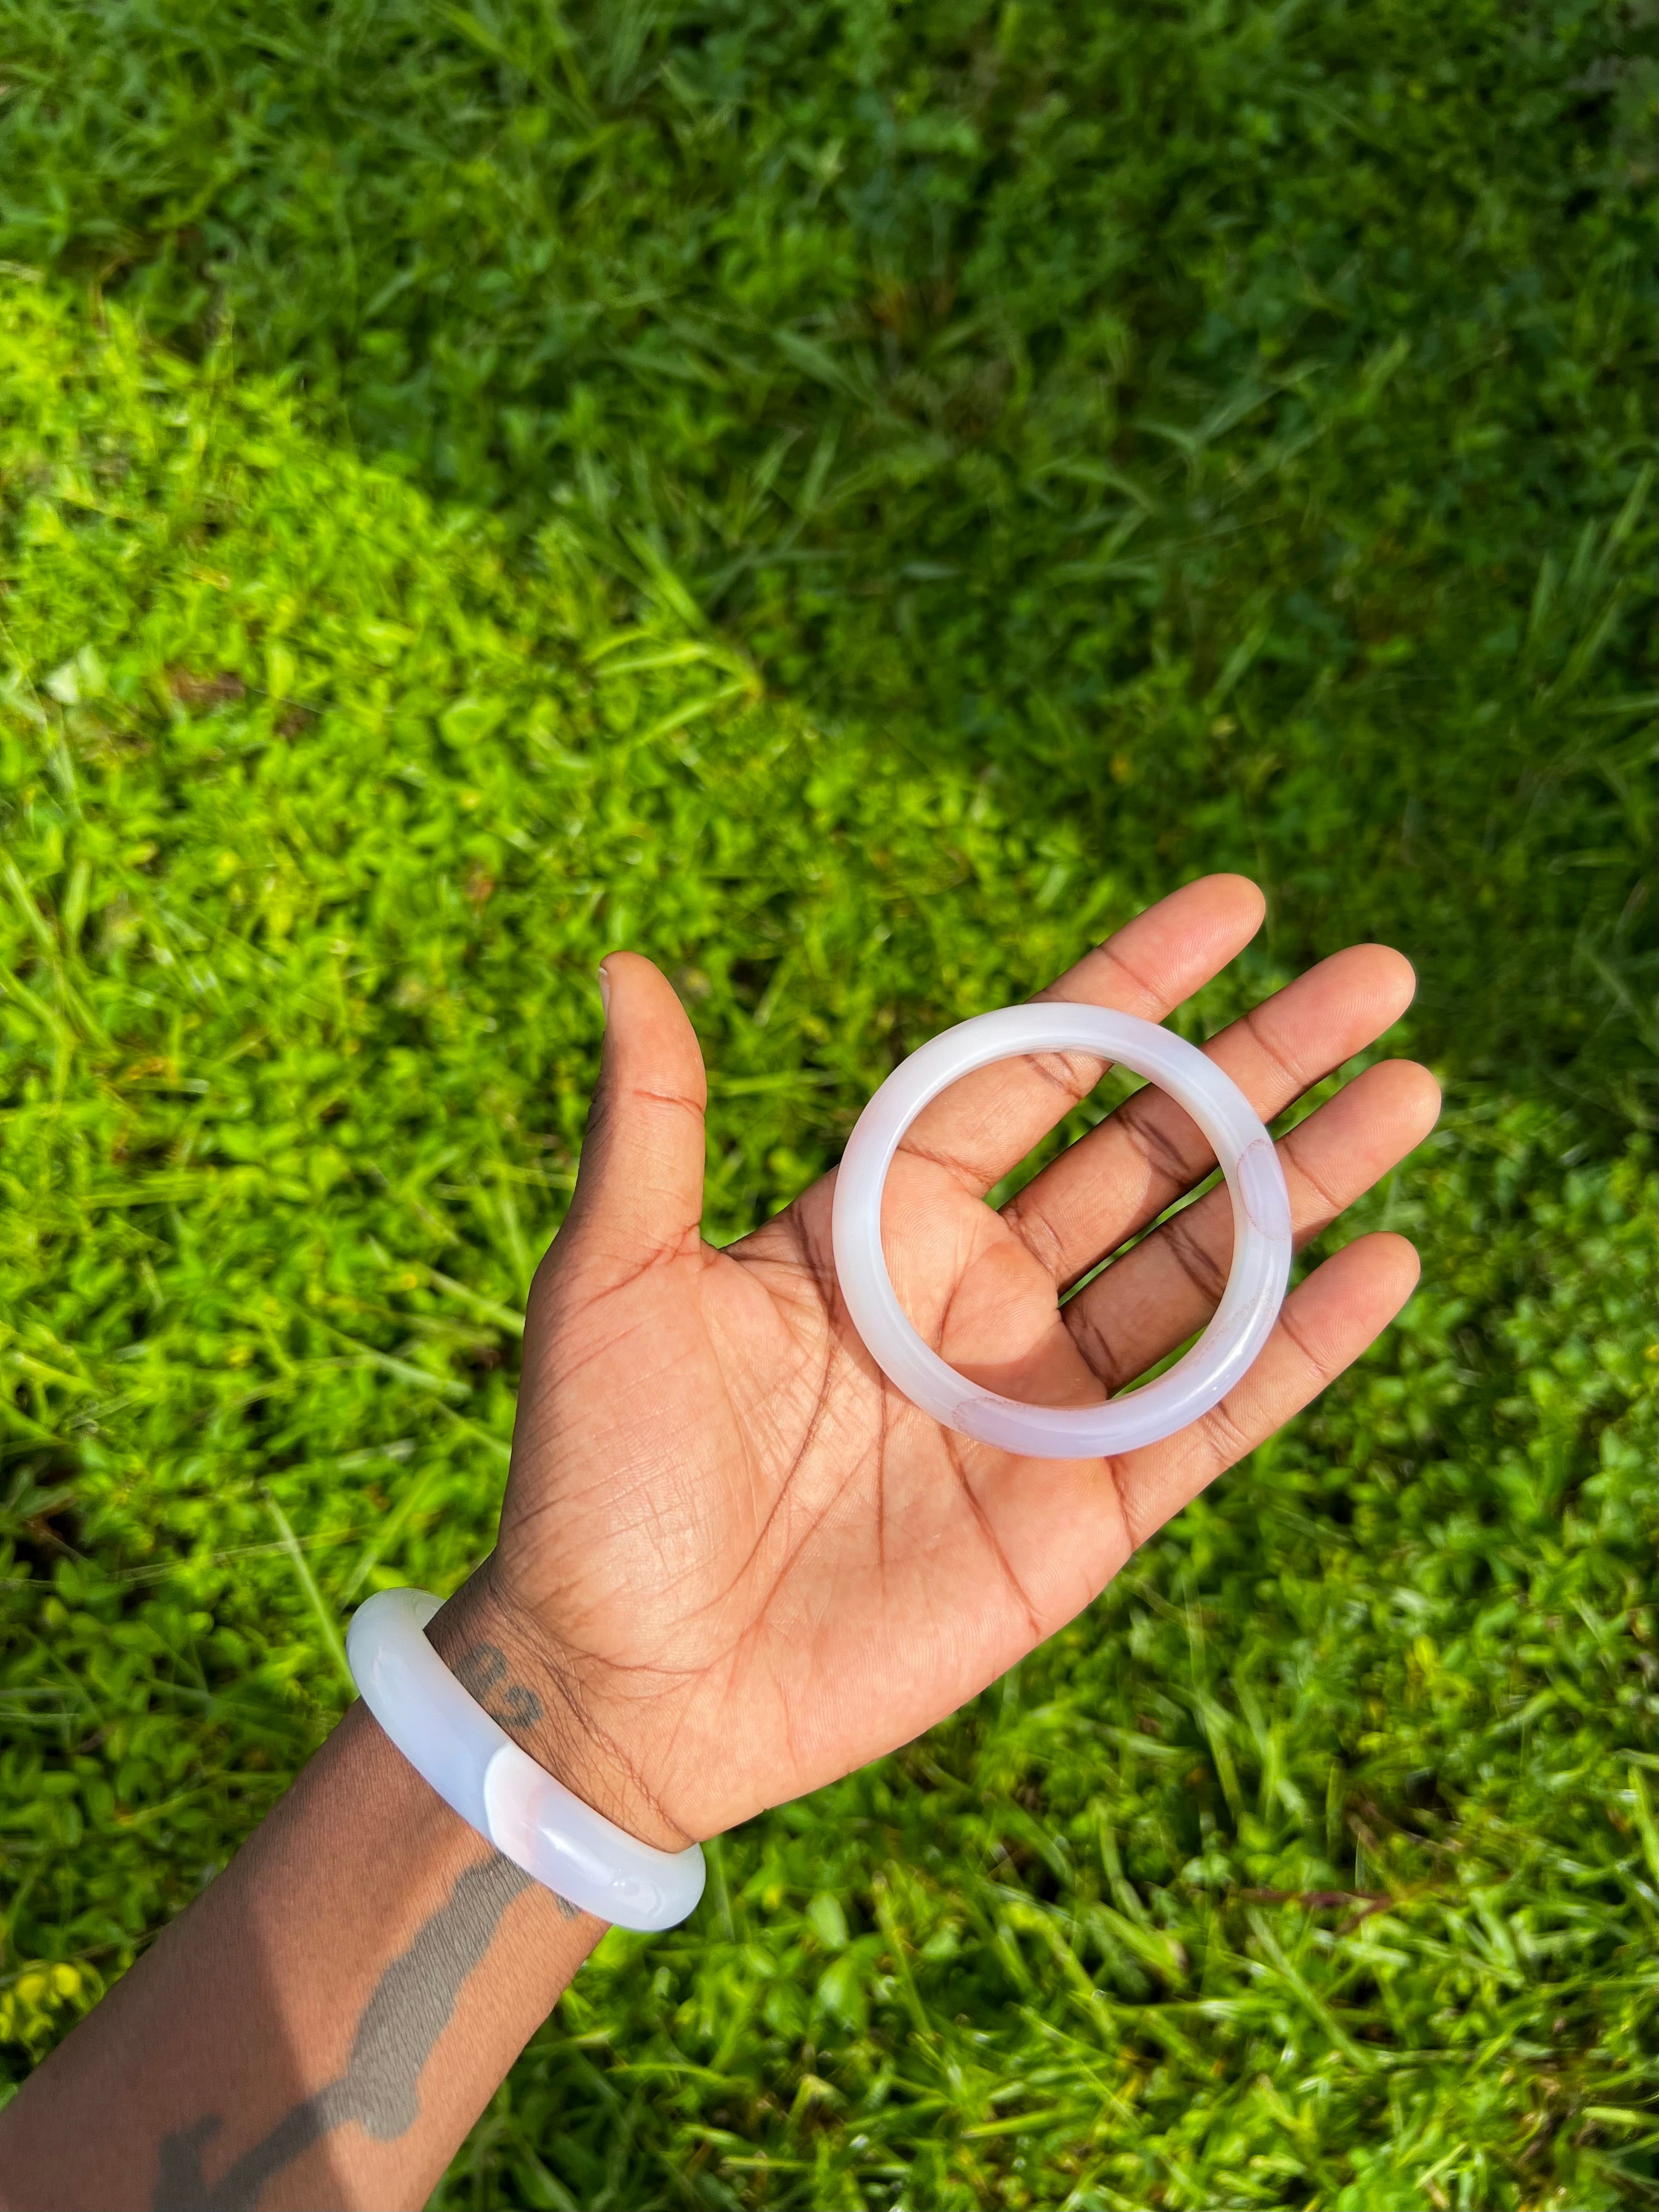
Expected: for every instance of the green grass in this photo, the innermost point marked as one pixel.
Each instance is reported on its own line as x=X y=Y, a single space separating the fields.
x=320 y=815
x=911 y=486
x=1224 y=422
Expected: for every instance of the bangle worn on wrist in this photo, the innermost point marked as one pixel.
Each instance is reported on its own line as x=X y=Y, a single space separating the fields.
x=477 y=1769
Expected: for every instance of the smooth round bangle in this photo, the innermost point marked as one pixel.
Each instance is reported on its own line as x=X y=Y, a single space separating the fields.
x=1261 y=1233
x=476 y=1767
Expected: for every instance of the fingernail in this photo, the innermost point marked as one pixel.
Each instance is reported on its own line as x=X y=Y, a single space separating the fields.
x=604 y=994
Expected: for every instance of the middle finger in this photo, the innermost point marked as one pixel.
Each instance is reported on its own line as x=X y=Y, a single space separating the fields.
x=1122 y=1176
x=1146 y=1305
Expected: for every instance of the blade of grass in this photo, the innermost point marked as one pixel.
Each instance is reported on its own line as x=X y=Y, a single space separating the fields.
x=329 y=1627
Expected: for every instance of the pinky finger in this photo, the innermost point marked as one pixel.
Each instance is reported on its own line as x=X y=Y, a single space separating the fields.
x=1327 y=1322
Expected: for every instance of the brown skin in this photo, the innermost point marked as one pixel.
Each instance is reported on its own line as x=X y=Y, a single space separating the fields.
x=831 y=1572
x=733 y=1562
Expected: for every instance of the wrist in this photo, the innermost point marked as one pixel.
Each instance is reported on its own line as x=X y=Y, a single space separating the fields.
x=506 y=1659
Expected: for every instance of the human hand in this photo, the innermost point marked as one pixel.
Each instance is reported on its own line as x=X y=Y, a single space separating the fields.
x=734 y=1562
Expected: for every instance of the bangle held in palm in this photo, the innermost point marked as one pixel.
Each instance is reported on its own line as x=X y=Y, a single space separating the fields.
x=1261 y=1233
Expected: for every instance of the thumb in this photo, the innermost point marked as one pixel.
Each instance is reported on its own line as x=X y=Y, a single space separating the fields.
x=639 y=1190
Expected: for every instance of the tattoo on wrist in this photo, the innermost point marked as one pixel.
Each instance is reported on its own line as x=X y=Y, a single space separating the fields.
x=408 y=2010
x=482 y=1672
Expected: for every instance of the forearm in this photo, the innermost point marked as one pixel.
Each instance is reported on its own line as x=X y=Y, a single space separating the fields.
x=320 y=2028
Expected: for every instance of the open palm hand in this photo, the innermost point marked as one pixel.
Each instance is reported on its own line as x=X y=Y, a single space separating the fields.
x=734 y=1561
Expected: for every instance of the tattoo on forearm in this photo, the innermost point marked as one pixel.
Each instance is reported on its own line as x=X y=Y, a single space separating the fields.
x=481 y=1674
x=407 y=2012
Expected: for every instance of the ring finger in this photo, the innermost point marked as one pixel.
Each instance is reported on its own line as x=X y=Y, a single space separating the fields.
x=1155 y=1297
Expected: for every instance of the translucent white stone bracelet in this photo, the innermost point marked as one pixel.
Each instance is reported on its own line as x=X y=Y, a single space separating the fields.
x=475 y=1768
x=1261 y=1233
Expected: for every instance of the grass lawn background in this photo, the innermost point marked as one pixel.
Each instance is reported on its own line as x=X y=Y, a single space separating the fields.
x=913 y=484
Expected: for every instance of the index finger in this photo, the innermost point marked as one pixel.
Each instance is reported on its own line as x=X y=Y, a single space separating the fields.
x=986 y=1124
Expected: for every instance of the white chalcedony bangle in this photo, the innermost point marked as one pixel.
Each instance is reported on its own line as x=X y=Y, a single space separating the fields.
x=1261 y=1233
x=476 y=1767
